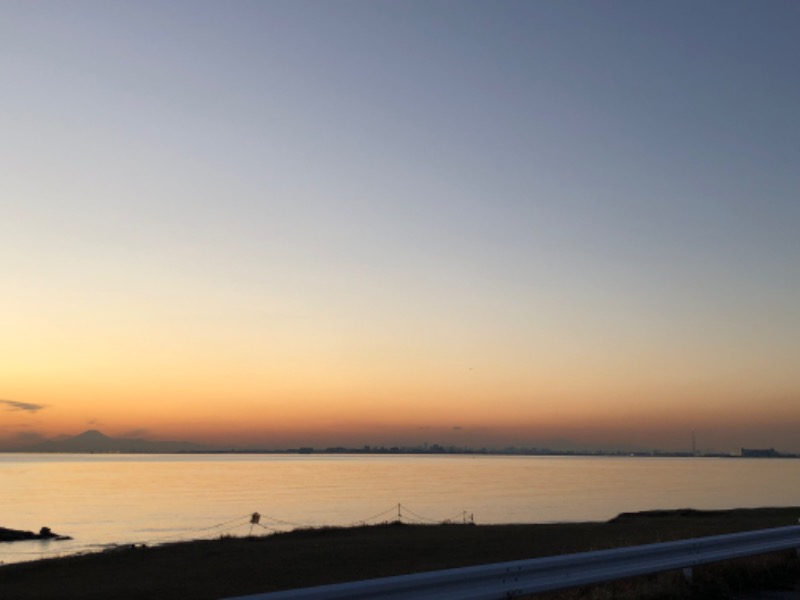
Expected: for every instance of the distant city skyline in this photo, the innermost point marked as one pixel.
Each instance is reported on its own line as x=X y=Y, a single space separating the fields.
x=397 y=222
x=93 y=441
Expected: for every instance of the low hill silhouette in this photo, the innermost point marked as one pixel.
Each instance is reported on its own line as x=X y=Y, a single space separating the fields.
x=96 y=441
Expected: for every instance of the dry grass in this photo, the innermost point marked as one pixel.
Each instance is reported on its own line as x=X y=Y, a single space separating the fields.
x=237 y=566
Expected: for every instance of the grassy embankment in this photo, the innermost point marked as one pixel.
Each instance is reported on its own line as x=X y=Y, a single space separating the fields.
x=237 y=566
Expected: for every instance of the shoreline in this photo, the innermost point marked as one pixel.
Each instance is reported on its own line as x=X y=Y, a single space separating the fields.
x=746 y=453
x=232 y=566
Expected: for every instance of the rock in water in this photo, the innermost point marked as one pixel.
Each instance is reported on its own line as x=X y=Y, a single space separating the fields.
x=16 y=535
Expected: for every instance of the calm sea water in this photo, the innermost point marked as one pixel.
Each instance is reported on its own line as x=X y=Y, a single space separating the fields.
x=104 y=500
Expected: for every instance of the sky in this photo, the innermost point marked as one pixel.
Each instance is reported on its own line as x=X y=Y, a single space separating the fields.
x=310 y=223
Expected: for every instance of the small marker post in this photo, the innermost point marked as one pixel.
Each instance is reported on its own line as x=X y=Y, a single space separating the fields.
x=255 y=518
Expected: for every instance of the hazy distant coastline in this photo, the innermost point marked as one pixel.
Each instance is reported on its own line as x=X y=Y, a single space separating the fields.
x=93 y=441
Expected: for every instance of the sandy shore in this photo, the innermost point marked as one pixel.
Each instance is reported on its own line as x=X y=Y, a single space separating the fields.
x=204 y=570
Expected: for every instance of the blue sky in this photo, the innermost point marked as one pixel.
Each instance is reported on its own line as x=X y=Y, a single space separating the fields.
x=592 y=204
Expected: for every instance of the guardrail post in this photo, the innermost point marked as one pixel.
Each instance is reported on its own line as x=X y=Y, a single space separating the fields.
x=688 y=575
x=797 y=549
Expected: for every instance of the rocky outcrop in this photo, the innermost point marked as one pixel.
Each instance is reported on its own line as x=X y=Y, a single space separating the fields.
x=15 y=535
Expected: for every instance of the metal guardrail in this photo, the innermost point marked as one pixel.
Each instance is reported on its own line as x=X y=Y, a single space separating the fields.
x=510 y=579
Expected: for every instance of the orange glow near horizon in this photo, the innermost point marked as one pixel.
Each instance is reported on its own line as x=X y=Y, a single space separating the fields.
x=483 y=372
x=465 y=409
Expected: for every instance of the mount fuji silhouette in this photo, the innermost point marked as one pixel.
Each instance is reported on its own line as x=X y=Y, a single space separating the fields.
x=96 y=441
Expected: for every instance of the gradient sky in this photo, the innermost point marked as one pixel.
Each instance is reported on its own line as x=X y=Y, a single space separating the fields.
x=288 y=223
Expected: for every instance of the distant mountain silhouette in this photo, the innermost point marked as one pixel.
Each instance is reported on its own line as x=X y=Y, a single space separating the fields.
x=96 y=441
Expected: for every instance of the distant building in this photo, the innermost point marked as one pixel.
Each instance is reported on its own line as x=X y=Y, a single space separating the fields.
x=760 y=453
